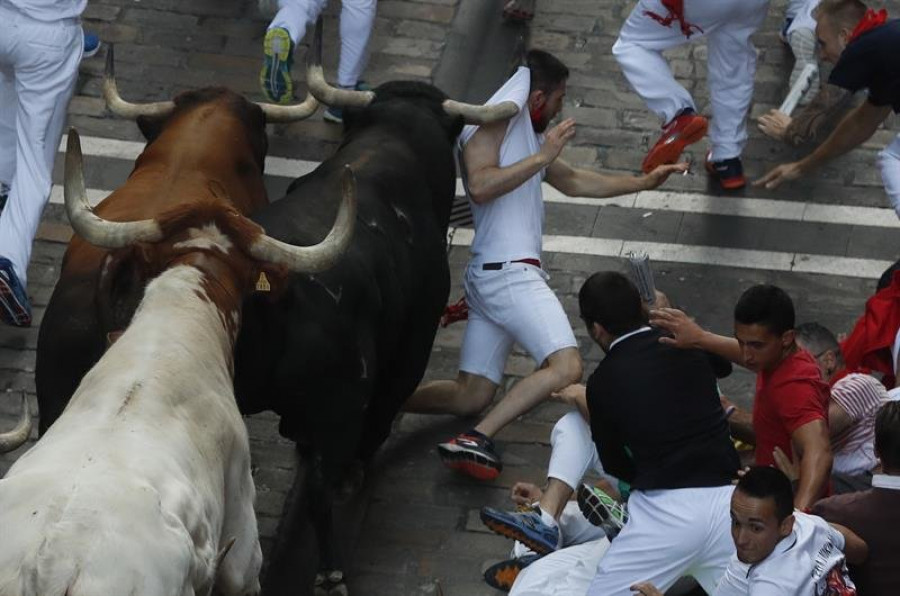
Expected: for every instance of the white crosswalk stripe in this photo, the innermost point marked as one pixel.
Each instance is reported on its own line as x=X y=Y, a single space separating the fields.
x=648 y=200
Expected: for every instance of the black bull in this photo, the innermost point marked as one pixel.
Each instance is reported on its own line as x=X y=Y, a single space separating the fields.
x=338 y=353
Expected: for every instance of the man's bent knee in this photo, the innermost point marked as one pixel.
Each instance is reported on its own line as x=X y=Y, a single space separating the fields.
x=566 y=363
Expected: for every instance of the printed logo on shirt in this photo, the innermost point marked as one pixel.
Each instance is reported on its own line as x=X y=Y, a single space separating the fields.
x=831 y=577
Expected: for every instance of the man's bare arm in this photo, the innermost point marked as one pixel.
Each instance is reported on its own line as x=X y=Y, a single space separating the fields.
x=855 y=548
x=686 y=333
x=828 y=104
x=486 y=180
x=813 y=448
x=579 y=182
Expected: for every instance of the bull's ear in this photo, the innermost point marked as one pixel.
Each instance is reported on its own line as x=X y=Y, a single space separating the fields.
x=151 y=126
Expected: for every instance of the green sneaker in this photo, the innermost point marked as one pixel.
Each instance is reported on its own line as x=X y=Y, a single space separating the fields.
x=278 y=57
x=602 y=510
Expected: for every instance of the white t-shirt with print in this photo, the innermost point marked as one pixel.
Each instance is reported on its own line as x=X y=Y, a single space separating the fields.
x=799 y=565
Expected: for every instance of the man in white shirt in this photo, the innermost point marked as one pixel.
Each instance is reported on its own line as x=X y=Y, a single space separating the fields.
x=41 y=43
x=506 y=289
x=780 y=552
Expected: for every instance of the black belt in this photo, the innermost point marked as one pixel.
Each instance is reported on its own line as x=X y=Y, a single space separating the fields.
x=498 y=266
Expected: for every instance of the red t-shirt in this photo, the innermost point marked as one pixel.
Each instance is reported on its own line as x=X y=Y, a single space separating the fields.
x=787 y=398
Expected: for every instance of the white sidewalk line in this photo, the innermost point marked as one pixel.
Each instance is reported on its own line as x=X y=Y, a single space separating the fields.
x=706 y=255
x=652 y=200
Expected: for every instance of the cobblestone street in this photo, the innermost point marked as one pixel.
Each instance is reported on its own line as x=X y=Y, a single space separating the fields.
x=824 y=239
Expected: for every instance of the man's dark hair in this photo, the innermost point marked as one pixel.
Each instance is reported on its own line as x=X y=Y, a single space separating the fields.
x=761 y=482
x=887 y=277
x=610 y=299
x=818 y=339
x=843 y=13
x=547 y=71
x=887 y=436
x=765 y=305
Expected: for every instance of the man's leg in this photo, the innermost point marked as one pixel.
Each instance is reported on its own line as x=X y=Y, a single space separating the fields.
x=45 y=76
x=889 y=164
x=9 y=104
x=731 y=67
x=666 y=531
x=468 y=395
x=357 y=18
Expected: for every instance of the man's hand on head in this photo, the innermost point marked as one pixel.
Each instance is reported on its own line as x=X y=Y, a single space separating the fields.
x=659 y=174
x=685 y=332
x=774 y=124
x=556 y=138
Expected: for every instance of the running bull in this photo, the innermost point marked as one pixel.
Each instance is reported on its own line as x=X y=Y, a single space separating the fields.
x=206 y=144
x=341 y=351
x=143 y=484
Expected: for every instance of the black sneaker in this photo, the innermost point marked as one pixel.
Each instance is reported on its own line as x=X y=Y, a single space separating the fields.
x=502 y=575
x=728 y=172
x=471 y=454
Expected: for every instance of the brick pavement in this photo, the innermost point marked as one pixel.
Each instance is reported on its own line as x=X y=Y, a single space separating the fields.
x=421 y=524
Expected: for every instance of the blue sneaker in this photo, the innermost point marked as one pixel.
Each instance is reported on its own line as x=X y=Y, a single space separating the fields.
x=527 y=527
x=14 y=306
x=278 y=57
x=91 y=44
x=336 y=114
x=729 y=172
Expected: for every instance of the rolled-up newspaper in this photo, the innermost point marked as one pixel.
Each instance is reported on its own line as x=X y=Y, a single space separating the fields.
x=642 y=274
x=798 y=89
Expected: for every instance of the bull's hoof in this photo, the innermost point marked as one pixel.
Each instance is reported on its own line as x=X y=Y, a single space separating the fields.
x=330 y=583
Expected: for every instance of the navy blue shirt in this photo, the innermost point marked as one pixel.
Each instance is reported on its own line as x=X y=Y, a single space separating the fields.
x=872 y=61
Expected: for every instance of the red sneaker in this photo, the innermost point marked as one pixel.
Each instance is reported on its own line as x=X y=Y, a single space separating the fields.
x=685 y=129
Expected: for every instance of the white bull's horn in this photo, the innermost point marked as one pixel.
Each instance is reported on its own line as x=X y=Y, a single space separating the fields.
x=311 y=259
x=119 y=106
x=15 y=438
x=277 y=113
x=325 y=93
x=474 y=114
x=95 y=230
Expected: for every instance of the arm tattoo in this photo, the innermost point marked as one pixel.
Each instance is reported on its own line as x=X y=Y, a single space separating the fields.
x=821 y=112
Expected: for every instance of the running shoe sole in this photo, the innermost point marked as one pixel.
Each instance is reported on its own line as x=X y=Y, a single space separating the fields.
x=276 y=71
x=12 y=311
x=502 y=575
x=594 y=509
x=466 y=461
x=669 y=152
x=498 y=526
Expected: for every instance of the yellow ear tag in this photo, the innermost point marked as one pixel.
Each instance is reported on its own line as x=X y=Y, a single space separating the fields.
x=262 y=284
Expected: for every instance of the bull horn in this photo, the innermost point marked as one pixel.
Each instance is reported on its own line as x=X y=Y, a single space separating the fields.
x=312 y=259
x=119 y=106
x=474 y=114
x=95 y=230
x=277 y=113
x=325 y=93
x=15 y=438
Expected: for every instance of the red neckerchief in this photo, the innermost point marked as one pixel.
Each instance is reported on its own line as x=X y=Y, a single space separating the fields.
x=869 y=21
x=676 y=13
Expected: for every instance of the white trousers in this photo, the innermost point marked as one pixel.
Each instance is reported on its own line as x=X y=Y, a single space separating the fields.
x=38 y=69
x=357 y=19
x=889 y=163
x=670 y=533
x=731 y=63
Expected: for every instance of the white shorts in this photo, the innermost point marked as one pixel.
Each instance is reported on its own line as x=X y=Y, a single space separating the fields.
x=511 y=305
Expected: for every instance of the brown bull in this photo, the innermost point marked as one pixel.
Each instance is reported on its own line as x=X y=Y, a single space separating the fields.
x=206 y=145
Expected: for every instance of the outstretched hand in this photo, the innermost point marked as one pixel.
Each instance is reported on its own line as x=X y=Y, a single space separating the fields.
x=784 y=463
x=659 y=174
x=779 y=175
x=685 y=332
x=556 y=138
